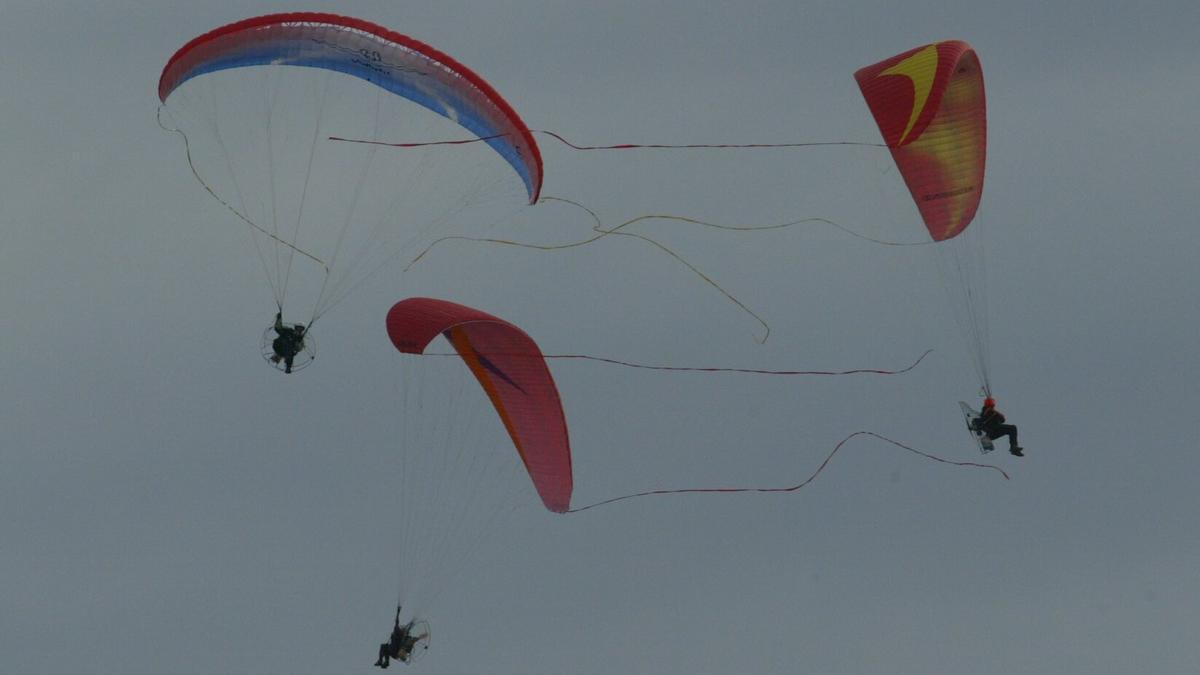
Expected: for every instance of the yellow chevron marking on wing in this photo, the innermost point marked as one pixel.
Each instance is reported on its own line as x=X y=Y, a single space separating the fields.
x=920 y=68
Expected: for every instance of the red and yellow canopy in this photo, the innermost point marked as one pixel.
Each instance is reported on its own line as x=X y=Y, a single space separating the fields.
x=929 y=105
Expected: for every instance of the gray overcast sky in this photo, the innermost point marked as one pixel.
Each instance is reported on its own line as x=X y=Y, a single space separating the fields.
x=170 y=504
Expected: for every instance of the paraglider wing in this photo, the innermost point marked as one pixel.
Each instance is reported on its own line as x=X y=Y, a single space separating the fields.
x=395 y=62
x=929 y=105
x=511 y=369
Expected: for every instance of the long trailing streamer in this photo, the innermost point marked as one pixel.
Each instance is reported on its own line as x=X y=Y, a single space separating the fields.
x=751 y=371
x=707 y=369
x=618 y=146
x=760 y=228
x=793 y=488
